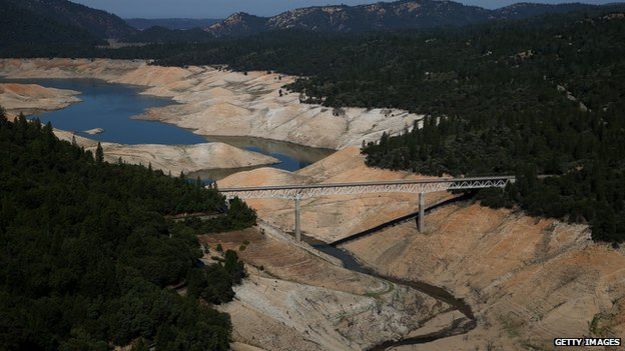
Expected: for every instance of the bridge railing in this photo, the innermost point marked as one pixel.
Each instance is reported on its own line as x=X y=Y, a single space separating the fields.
x=398 y=186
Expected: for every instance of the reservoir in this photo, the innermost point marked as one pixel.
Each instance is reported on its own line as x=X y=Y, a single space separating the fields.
x=111 y=107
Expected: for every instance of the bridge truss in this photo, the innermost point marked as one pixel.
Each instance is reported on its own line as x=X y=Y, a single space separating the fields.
x=420 y=186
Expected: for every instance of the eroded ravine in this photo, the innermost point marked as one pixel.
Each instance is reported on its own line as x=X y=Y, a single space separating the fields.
x=458 y=326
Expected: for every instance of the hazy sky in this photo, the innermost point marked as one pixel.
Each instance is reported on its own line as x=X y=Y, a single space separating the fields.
x=223 y=8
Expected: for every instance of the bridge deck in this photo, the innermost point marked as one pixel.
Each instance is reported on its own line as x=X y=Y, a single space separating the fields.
x=404 y=186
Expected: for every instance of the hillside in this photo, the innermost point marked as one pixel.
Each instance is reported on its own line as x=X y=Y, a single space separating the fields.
x=63 y=13
x=403 y=14
x=159 y=34
x=20 y=26
x=170 y=23
x=239 y=24
x=51 y=28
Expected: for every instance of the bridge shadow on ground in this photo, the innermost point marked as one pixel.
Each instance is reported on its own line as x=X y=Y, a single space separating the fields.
x=396 y=221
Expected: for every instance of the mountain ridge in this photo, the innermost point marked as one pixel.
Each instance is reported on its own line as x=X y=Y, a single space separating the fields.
x=401 y=14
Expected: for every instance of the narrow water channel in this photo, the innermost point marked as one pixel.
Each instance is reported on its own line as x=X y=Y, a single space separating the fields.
x=438 y=293
x=350 y=262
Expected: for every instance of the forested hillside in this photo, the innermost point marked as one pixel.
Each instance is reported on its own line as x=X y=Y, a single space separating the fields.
x=20 y=27
x=170 y=23
x=164 y=35
x=99 y=23
x=88 y=256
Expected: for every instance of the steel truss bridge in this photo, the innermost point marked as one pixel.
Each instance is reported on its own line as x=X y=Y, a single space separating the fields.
x=420 y=186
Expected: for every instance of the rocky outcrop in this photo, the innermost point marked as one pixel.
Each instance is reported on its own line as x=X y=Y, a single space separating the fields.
x=222 y=103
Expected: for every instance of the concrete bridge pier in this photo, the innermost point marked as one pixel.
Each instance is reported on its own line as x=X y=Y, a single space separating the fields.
x=298 y=212
x=421 y=218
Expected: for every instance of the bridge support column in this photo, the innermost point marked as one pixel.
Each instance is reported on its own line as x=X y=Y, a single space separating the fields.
x=298 y=210
x=421 y=218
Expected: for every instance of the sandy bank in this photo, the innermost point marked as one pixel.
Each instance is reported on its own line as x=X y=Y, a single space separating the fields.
x=299 y=301
x=214 y=102
x=175 y=158
x=32 y=98
x=330 y=218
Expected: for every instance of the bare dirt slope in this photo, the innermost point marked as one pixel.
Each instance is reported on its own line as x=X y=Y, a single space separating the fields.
x=294 y=300
x=32 y=98
x=216 y=102
x=331 y=218
x=528 y=280
x=175 y=158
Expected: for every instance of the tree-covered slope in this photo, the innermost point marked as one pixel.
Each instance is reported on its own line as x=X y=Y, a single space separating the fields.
x=170 y=23
x=99 y=23
x=87 y=255
x=164 y=35
x=21 y=27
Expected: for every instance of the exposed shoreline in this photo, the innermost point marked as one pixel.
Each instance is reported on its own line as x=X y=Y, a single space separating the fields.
x=31 y=98
x=213 y=102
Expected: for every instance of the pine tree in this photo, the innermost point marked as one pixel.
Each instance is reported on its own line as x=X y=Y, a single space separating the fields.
x=99 y=154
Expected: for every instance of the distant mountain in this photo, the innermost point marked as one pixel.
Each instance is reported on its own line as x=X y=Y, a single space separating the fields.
x=240 y=24
x=526 y=9
x=171 y=23
x=381 y=16
x=98 y=23
x=165 y=35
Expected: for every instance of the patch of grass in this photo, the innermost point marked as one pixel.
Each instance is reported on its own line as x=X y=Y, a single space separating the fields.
x=377 y=294
x=597 y=328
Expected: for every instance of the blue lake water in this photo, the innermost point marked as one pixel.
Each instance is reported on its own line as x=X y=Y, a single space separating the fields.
x=111 y=106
